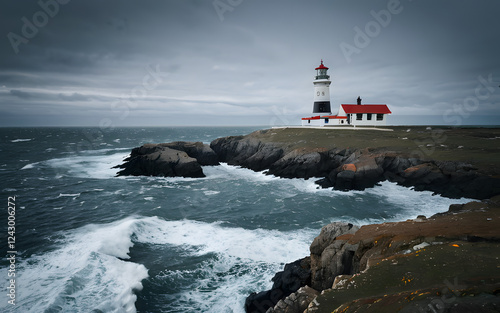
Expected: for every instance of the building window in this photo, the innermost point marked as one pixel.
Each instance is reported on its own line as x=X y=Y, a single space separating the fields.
x=369 y=116
x=380 y=117
x=359 y=116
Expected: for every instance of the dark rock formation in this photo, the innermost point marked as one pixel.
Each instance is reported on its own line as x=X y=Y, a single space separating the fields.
x=331 y=256
x=182 y=159
x=296 y=302
x=294 y=276
x=444 y=260
x=349 y=169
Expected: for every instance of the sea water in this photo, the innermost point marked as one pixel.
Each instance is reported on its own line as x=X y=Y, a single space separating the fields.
x=87 y=241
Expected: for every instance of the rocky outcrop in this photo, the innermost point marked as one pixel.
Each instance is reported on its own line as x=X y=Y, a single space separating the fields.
x=182 y=159
x=446 y=260
x=330 y=255
x=286 y=282
x=296 y=302
x=347 y=169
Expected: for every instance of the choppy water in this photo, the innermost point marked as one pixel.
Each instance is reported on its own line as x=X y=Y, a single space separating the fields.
x=90 y=242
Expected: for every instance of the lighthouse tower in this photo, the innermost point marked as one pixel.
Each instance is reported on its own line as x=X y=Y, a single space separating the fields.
x=322 y=91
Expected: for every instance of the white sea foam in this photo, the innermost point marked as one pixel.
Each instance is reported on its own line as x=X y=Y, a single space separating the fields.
x=257 y=245
x=68 y=195
x=210 y=192
x=243 y=260
x=84 y=273
x=21 y=140
x=409 y=203
x=29 y=166
x=88 y=166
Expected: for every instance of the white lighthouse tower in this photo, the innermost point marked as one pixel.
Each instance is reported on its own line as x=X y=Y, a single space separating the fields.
x=322 y=91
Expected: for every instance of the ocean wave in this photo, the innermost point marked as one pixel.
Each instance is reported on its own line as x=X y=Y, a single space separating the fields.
x=88 y=270
x=85 y=273
x=238 y=261
x=21 y=140
x=97 y=166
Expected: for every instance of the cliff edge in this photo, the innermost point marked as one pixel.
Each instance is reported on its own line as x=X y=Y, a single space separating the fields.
x=444 y=263
x=453 y=162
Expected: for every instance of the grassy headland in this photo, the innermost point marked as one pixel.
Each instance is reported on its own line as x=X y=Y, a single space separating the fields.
x=477 y=146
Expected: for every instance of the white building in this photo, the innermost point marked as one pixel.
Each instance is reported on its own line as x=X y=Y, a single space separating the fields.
x=348 y=114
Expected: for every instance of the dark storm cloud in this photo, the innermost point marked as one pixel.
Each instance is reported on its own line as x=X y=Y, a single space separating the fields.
x=21 y=94
x=180 y=57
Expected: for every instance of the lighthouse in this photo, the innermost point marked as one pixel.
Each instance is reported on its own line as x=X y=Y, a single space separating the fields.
x=322 y=91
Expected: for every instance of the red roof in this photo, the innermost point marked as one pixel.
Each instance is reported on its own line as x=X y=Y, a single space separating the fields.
x=321 y=66
x=366 y=108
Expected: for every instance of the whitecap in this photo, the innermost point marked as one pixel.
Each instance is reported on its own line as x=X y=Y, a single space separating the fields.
x=21 y=140
x=68 y=195
x=86 y=272
x=242 y=260
x=29 y=166
x=85 y=166
x=210 y=192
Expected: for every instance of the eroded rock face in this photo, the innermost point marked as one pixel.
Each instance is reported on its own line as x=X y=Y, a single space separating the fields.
x=296 y=302
x=330 y=255
x=293 y=276
x=349 y=169
x=182 y=159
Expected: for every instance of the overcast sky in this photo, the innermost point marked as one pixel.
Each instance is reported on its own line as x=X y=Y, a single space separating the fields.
x=245 y=62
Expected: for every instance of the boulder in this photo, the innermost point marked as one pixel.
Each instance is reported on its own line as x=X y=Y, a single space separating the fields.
x=293 y=276
x=296 y=302
x=198 y=150
x=330 y=255
x=174 y=159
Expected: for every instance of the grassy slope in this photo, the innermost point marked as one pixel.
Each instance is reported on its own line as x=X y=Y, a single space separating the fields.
x=478 y=146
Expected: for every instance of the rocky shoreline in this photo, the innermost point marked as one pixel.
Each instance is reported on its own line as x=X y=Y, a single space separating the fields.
x=339 y=167
x=447 y=262
x=390 y=267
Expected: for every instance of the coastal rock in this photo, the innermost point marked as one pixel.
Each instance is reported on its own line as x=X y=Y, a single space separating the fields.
x=284 y=154
x=293 y=276
x=301 y=164
x=182 y=159
x=330 y=255
x=296 y=302
x=198 y=150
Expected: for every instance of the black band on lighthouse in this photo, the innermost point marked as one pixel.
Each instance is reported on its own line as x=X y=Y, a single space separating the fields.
x=322 y=107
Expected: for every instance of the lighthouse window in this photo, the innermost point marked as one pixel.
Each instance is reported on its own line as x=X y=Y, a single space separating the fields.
x=369 y=116
x=380 y=117
x=359 y=116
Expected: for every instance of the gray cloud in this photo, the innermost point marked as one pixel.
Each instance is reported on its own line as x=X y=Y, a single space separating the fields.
x=20 y=94
x=258 y=62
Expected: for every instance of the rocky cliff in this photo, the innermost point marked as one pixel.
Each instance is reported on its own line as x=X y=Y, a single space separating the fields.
x=360 y=167
x=445 y=263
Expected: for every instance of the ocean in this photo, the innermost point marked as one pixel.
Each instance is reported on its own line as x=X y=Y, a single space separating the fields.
x=87 y=241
